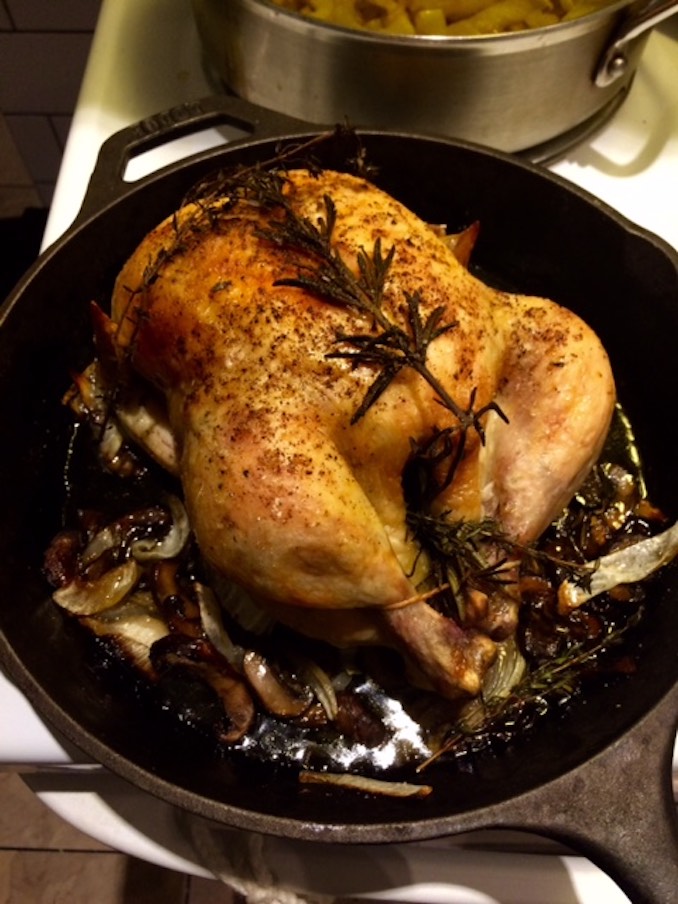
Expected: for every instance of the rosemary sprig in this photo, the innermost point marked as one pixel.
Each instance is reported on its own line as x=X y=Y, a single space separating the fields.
x=320 y=267
x=395 y=348
x=392 y=346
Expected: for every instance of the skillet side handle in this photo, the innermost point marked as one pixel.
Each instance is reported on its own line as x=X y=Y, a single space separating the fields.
x=618 y=809
x=107 y=182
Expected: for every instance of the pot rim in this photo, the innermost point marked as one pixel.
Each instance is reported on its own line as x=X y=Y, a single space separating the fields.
x=330 y=32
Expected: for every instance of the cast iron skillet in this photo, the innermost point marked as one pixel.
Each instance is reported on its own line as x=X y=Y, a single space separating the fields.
x=596 y=776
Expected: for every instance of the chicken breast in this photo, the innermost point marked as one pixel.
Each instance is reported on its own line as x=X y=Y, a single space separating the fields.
x=292 y=495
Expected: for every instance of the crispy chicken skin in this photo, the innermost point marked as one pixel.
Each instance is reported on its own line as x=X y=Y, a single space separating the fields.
x=286 y=495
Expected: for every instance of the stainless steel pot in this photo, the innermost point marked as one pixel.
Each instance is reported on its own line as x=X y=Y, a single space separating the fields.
x=511 y=92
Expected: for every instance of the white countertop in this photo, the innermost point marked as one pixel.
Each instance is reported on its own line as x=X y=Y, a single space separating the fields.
x=632 y=163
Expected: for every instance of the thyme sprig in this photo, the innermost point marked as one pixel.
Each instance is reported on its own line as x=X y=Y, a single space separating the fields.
x=555 y=679
x=459 y=547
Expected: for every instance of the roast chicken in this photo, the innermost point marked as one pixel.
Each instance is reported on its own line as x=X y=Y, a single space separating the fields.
x=293 y=482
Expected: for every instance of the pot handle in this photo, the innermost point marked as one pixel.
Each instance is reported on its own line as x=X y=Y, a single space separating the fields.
x=107 y=182
x=614 y=62
x=617 y=809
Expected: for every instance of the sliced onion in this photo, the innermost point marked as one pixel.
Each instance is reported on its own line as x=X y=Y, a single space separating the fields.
x=135 y=625
x=503 y=675
x=111 y=443
x=104 y=540
x=624 y=566
x=321 y=685
x=240 y=605
x=210 y=616
x=505 y=672
x=143 y=417
x=91 y=597
x=116 y=534
x=169 y=546
x=237 y=702
x=365 y=784
x=89 y=394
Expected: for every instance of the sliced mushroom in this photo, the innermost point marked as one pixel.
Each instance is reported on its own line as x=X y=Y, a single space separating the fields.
x=179 y=609
x=198 y=660
x=275 y=694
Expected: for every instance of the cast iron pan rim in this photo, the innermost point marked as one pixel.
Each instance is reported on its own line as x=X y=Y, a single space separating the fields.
x=503 y=158
x=298 y=130
x=231 y=816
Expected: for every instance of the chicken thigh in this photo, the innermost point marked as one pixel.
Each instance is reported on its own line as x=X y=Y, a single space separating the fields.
x=293 y=490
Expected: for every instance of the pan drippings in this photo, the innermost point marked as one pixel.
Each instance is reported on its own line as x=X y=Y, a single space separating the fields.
x=346 y=711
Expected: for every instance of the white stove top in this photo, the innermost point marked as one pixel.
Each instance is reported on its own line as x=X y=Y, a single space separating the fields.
x=631 y=163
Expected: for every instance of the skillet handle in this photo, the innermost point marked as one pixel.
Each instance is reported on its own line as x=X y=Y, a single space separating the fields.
x=107 y=182
x=618 y=809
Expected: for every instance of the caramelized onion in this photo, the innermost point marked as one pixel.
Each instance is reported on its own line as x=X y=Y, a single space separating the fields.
x=210 y=615
x=150 y=550
x=135 y=625
x=321 y=685
x=89 y=398
x=104 y=540
x=143 y=417
x=624 y=566
x=239 y=605
x=365 y=784
x=118 y=534
x=505 y=672
x=82 y=597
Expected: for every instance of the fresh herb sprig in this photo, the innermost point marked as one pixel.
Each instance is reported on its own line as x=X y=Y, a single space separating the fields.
x=557 y=679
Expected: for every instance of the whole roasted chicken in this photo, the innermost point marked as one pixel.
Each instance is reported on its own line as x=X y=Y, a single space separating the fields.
x=337 y=390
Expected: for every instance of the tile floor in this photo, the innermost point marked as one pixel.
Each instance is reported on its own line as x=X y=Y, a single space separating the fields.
x=43 y=860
